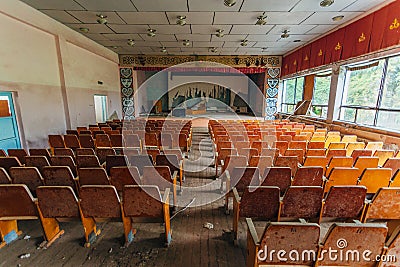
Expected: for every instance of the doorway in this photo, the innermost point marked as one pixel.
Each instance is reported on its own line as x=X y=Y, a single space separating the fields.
x=9 y=134
x=100 y=107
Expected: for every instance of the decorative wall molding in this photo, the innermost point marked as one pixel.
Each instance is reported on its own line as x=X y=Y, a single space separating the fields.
x=271 y=91
x=232 y=61
x=127 y=92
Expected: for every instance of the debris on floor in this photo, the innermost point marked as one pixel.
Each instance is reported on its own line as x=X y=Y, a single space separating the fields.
x=208 y=225
x=24 y=256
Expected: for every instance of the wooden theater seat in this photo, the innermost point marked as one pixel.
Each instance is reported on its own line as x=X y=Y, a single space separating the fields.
x=19 y=153
x=361 y=153
x=85 y=152
x=103 y=152
x=287 y=161
x=12 y=210
x=132 y=140
x=8 y=162
x=3 y=153
x=383 y=155
x=257 y=203
x=391 y=249
x=121 y=176
x=103 y=140
x=299 y=153
x=87 y=161
x=150 y=140
x=354 y=237
x=98 y=201
x=116 y=161
x=86 y=141
x=145 y=202
x=374 y=146
x=366 y=162
x=262 y=162
x=55 y=202
x=393 y=164
x=72 y=141
x=64 y=152
x=93 y=176
x=173 y=162
x=375 y=178
x=37 y=161
x=161 y=177
x=240 y=178
x=302 y=202
x=152 y=152
x=67 y=161
x=280 y=177
x=351 y=147
x=270 y=152
x=335 y=153
x=316 y=145
x=117 y=140
x=140 y=161
x=342 y=176
x=282 y=146
x=316 y=152
x=309 y=176
x=30 y=176
x=59 y=176
x=339 y=162
x=56 y=141
x=344 y=202
x=385 y=205
x=281 y=236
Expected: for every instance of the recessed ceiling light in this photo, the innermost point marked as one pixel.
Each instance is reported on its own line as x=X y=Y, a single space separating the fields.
x=220 y=33
x=326 y=3
x=285 y=34
x=338 y=18
x=297 y=41
x=186 y=42
x=229 y=3
x=85 y=30
x=243 y=43
x=163 y=50
x=261 y=20
x=264 y=49
x=131 y=42
x=102 y=19
x=151 y=32
x=181 y=20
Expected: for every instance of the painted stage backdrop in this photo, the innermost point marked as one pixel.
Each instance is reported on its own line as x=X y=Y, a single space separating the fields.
x=200 y=91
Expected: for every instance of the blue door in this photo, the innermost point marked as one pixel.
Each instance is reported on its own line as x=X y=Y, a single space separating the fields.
x=9 y=135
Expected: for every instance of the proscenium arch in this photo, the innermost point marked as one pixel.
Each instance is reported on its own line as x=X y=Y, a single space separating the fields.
x=157 y=86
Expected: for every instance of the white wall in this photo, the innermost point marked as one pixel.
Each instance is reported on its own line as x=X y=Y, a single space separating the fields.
x=53 y=72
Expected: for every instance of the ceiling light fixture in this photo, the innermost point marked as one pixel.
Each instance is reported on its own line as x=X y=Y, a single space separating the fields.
x=181 y=20
x=285 y=34
x=213 y=49
x=338 y=18
x=85 y=30
x=163 y=50
x=326 y=3
x=229 y=3
x=261 y=20
x=243 y=43
x=264 y=49
x=102 y=19
x=151 y=32
x=220 y=33
x=186 y=42
x=131 y=42
x=297 y=41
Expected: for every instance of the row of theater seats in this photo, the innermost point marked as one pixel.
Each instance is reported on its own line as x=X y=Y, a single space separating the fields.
x=61 y=170
x=293 y=191
x=128 y=134
x=275 y=196
x=298 y=244
x=95 y=202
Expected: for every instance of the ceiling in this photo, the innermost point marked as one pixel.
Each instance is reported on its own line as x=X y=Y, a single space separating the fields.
x=130 y=19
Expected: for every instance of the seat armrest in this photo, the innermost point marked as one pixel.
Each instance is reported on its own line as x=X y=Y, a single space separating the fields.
x=252 y=231
x=174 y=175
x=165 y=199
x=237 y=198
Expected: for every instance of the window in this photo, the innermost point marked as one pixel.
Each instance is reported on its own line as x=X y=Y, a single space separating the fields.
x=292 y=93
x=100 y=107
x=372 y=94
x=322 y=84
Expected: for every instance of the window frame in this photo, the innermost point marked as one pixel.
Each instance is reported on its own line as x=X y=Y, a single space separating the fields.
x=324 y=73
x=292 y=104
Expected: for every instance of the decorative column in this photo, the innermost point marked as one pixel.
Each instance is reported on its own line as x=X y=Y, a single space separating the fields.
x=271 y=84
x=127 y=92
